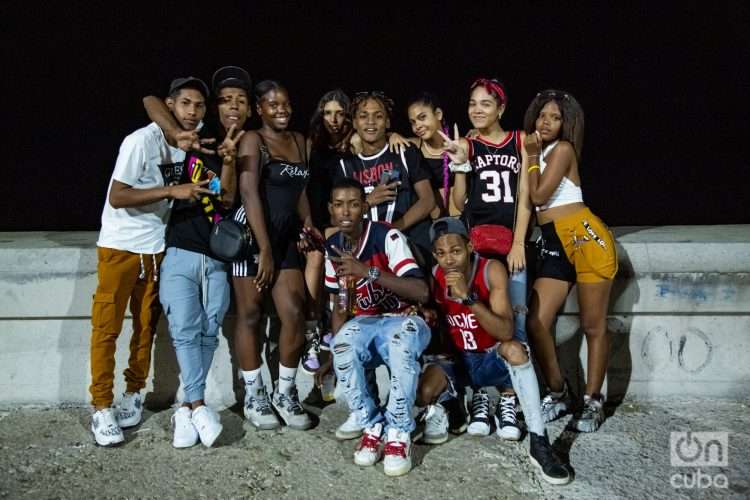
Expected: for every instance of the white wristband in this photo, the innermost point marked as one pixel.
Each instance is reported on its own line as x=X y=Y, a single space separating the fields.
x=462 y=168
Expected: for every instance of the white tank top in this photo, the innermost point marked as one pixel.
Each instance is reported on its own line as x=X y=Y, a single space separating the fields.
x=566 y=193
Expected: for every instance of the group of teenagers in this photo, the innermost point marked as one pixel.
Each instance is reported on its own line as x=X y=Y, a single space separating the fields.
x=367 y=249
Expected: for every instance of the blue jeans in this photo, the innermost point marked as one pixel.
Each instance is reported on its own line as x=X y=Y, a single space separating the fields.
x=368 y=341
x=518 y=300
x=194 y=292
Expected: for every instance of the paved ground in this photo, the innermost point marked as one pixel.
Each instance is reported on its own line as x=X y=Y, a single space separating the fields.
x=48 y=453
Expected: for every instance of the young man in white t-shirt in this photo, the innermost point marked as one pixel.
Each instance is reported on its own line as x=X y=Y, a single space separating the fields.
x=130 y=249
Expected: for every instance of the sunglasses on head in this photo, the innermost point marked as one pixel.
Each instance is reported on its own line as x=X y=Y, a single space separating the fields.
x=371 y=93
x=554 y=94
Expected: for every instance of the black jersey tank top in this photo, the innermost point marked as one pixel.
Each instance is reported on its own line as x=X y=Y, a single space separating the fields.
x=493 y=181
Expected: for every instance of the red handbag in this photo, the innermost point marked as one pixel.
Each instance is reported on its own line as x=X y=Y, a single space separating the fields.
x=491 y=239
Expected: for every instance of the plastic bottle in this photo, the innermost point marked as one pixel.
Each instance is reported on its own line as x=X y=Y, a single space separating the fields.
x=328 y=387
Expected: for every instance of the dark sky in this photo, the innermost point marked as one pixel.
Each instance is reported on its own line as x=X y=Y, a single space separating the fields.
x=664 y=88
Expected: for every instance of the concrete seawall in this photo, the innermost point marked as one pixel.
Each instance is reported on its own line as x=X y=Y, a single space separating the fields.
x=679 y=316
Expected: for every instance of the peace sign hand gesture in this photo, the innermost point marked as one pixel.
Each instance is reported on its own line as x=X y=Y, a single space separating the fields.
x=189 y=140
x=228 y=149
x=453 y=147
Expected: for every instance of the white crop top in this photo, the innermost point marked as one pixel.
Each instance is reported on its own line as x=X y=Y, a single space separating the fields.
x=566 y=193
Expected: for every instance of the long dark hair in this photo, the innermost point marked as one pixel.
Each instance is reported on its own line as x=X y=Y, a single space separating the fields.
x=428 y=99
x=320 y=139
x=572 y=116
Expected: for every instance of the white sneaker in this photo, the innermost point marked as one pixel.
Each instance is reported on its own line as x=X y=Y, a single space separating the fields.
x=368 y=451
x=258 y=409
x=436 y=425
x=479 y=424
x=290 y=411
x=130 y=410
x=397 y=453
x=185 y=434
x=351 y=429
x=105 y=429
x=207 y=423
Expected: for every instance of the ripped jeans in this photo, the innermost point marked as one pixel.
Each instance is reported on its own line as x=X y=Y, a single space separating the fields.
x=369 y=341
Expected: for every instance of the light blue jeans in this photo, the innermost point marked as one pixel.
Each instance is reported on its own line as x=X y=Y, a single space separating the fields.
x=366 y=342
x=194 y=292
x=518 y=300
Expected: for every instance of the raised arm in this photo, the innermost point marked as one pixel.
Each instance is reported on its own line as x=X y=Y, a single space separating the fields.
x=558 y=164
x=496 y=317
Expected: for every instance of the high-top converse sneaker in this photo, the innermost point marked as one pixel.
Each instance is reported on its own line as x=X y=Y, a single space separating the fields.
x=543 y=457
x=479 y=424
x=505 y=418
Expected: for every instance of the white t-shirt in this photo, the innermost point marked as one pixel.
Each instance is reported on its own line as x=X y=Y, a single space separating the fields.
x=143 y=155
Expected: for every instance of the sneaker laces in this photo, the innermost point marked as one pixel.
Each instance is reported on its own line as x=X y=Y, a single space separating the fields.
x=480 y=406
x=369 y=440
x=395 y=448
x=260 y=402
x=508 y=409
x=291 y=401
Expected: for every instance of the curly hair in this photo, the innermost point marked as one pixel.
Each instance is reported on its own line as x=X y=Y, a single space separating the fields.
x=572 y=116
x=376 y=95
x=319 y=136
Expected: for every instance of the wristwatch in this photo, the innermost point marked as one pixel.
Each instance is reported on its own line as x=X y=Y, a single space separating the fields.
x=471 y=299
x=373 y=274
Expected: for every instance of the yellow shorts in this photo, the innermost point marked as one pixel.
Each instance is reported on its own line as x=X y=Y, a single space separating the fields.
x=588 y=245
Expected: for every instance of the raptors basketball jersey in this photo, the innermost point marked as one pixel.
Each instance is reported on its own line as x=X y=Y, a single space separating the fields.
x=465 y=331
x=493 y=180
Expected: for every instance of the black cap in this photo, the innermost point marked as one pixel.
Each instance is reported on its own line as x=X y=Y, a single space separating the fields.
x=231 y=76
x=447 y=225
x=189 y=81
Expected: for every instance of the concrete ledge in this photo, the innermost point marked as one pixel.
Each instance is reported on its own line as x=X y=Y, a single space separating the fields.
x=680 y=317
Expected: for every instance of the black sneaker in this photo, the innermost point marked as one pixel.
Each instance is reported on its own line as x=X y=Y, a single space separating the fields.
x=457 y=418
x=506 y=421
x=480 y=414
x=543 y=457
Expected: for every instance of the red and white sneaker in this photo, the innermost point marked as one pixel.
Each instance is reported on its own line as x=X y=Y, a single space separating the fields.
x=397 y=456
x=368 y=450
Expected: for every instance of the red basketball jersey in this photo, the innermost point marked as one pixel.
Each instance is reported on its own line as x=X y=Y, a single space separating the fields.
x=465 y=331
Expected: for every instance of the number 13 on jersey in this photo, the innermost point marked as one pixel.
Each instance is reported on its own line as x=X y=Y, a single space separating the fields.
x=470 y=344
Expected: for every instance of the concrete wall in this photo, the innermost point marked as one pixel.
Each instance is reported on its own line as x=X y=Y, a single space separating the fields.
x=680 y=317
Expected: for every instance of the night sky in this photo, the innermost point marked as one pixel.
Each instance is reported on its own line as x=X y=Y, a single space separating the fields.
x=665 y=91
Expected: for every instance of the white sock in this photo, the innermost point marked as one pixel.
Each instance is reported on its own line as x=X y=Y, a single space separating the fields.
x=253 y=379
x=286 y=378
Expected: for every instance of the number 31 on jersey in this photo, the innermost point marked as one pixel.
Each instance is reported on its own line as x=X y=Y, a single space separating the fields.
x=493 y=191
